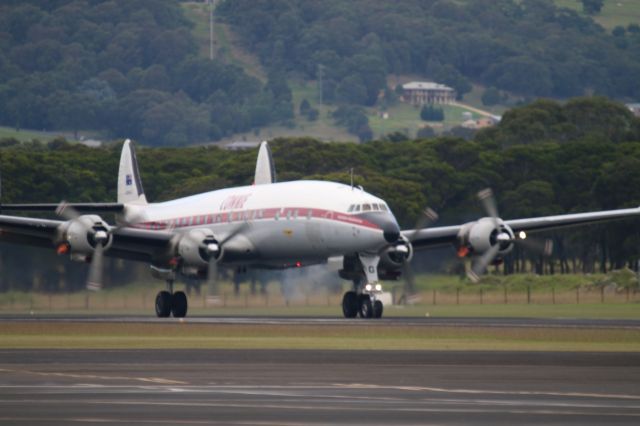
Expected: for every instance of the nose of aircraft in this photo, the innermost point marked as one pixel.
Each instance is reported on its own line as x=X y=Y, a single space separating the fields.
x=390 y=228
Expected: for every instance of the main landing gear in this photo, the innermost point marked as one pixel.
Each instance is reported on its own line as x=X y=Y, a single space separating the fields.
x=168 y=302
x=362 y=300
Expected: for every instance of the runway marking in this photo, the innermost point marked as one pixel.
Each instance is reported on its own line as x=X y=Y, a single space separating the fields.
x=158 y=380
x=486 y=391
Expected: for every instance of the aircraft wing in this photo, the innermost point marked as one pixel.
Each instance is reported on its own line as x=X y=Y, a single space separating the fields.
x=435 y=236
x=79 y=207
x=128 y=243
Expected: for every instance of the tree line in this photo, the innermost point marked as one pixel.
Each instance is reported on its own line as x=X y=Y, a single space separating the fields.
x=129 y=69
x=543 y=159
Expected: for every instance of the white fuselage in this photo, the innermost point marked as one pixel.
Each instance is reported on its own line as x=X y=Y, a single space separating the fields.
x=287 y=224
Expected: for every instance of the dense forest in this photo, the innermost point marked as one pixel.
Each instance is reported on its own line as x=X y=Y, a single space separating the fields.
x=580 y=156
x=128 y=68
x=530 y=47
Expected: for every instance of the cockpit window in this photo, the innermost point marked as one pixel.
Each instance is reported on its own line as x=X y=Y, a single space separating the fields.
x=357 y=209
x=375 y=206
x=366 y=207
x=384 y=207
x=351 y=208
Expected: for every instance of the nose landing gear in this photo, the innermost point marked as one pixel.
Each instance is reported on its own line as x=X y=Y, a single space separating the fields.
x=362 y=300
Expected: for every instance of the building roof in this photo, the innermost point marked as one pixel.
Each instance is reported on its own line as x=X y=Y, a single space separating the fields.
x=425 y=85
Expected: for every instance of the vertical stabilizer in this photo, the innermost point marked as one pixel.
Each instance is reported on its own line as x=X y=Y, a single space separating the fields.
x=265 y=169
x=129 y=184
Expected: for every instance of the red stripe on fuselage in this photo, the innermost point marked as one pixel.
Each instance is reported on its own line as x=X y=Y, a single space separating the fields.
x=289 y=213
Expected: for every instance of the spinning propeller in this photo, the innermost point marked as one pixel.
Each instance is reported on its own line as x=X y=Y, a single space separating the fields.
x=427 y=218
x=502 y=237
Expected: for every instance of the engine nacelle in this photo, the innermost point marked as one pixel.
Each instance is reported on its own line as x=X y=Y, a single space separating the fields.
x=476 y=238
x=83 y=233
x=197 y=246
x=393 y=257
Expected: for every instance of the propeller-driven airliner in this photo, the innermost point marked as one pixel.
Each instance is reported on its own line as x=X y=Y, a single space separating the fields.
x=269 y=224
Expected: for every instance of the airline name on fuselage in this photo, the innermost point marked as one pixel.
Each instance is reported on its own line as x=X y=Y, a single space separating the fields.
x=234 y=202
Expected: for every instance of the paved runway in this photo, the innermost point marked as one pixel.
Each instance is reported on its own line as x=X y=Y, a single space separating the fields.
x=268 y=387
x=629 y=324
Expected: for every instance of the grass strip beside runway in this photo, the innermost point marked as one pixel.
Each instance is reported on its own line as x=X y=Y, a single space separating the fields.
x=185 y=335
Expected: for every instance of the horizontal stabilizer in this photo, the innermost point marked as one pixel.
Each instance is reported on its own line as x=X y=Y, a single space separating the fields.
x=51 y=207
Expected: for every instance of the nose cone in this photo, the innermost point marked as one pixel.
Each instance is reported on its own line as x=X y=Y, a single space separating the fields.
x=391 y=235
x=390 y=228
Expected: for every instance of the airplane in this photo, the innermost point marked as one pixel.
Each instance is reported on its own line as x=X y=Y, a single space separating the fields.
x=272 y=225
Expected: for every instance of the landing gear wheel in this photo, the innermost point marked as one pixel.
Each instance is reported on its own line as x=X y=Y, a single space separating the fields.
x=179 y=304
x=366 y=310
x=163 y=304
x=350 y=304
x=377 y=309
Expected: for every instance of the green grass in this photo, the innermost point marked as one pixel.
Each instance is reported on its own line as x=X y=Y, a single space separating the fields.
x=614 y=12
x=357 y=336
x=28 y=135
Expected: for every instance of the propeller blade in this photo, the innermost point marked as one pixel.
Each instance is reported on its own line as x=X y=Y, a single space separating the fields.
x=481 y=264
x=213 y=297
x=238 y=229
x=489 y=203
x=94 y=280
x=426 y=219
x=67 y=212
x=543 y=247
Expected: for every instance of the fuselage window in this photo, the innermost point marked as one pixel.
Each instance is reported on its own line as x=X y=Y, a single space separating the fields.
x=366 y=207
x=277 y=216
x=295 y=214
x=309 y=213
x=288 y=214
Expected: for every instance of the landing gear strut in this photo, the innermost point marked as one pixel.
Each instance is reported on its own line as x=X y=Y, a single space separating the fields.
x=362 y=300
x=168 y=302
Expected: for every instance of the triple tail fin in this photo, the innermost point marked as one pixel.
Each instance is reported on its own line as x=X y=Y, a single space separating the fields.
x=130 y=189
x=265 y=168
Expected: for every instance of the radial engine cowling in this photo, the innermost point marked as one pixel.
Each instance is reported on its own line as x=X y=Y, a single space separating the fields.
x=394 y=256
x=83 y=233
x=477 y=238
x=197 y=246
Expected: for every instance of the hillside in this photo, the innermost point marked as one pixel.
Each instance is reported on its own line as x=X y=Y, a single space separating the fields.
x=125 y=70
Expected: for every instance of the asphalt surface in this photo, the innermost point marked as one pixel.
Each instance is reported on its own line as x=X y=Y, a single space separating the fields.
x=400 y=321
x=283 y=387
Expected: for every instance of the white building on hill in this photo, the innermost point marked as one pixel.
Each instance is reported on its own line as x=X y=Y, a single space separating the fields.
x=421 y=93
